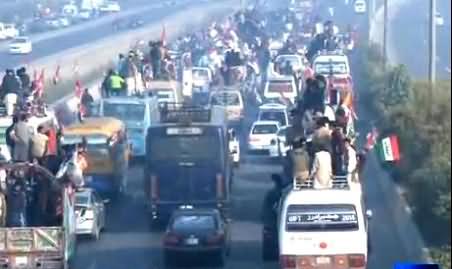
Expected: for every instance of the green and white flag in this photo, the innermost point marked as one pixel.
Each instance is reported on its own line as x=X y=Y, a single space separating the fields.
x=388 y=149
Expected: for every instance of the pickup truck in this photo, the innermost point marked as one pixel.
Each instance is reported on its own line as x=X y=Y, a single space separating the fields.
x=47 y=246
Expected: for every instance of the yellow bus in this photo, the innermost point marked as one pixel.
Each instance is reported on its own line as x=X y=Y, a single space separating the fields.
x=107 y=152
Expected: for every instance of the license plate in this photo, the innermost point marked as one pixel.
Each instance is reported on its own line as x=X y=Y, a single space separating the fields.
x=323 y=260
x=192 y=241
x=21 y=260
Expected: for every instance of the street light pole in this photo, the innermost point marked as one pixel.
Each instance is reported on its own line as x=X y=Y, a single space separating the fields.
x=385 y=34
x=432 y=45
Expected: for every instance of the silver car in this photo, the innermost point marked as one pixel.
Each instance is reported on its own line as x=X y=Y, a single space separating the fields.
x=90 y=213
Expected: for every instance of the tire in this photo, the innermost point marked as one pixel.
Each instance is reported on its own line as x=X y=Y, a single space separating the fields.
x=268 y=253
x=220 y=258
x=96 y=233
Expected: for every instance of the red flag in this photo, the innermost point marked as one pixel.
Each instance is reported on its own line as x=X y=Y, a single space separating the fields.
x=163 y=35
x=371 y=138
x=78 y=89
x=39 y=82
x=56 y=76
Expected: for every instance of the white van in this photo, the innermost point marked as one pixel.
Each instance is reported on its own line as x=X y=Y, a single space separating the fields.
x=232 y=100
x=331 y=63
x=278 y=88
x=137 y=113
x=324 y=229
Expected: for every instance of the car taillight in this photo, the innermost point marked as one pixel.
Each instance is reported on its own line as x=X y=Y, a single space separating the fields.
x=306 y=262
x=220 y=186
x=273 y=142
x=171 y=239
x=340 y=261
x=288 y=262
x=154 y=187
x=215 y=239
x=252 y=139
x=356 y=260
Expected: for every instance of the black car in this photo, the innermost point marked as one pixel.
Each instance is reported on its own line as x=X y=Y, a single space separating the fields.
x=192 y=232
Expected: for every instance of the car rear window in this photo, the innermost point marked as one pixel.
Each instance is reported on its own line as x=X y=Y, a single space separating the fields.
x=265 y=129
x=280 y=86
x=279 y=116
x=225 y=99
x=194 y=222
x=321 y=218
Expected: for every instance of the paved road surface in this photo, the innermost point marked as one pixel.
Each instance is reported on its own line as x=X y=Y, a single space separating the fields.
x=60 y=42
x=409 y=33
x=128 y=243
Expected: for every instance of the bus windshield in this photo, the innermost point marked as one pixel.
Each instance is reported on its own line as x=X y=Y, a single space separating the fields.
x=125 y=112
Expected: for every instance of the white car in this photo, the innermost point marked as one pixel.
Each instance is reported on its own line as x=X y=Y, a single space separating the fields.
x=110 y=7
x=274 y=112
x=90 y=213
x=10 y=31
x=263 y=135
x=20 y=45
x=360 y=6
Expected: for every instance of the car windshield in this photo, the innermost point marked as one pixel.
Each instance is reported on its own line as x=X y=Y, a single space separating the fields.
x=278 y=116
x=325 y=68
x=200 y=74
x=81 y=199
x=321 y=218
x=226 y=99
x=194 y=222
x=125 y=112
x=265 y=129
x=282 y=132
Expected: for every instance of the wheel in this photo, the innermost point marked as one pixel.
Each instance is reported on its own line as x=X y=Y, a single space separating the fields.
x=220 y=258
x=96 y=233
x=268 y=252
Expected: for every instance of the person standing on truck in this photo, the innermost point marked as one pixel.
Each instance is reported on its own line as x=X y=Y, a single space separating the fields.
x=21 y=137
x=117 y=84
x=8 y=134
x=39 y=143
x=17 y=204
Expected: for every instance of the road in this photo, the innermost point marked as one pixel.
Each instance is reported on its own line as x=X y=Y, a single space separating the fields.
x=59 y=42
x=411 y=46
x=128 y=242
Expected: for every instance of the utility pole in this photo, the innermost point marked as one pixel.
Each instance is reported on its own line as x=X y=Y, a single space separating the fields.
x=432 y=45
x=385 y=34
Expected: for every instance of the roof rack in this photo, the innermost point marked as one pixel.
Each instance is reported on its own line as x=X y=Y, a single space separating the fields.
x=179 y=112
x=337 y=182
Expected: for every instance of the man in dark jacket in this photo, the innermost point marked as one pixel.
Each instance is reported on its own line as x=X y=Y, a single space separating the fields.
x=24 y=78
x=156 y=58
x=10 y=83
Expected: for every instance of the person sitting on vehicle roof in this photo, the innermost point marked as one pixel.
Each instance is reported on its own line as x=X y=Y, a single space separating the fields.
x=300 y=160
x=321 y=172
x=321 y=138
